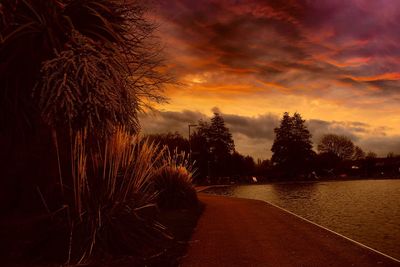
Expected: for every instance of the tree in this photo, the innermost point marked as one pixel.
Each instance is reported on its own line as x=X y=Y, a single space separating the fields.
x=358 y=153
x=174 y=141
x=369 y=164
x=241 y=166
x=371 y=155
x=263 y=168
x=339 y=145
x=292 y=147
x=212 y=145
x=219 y=137
x=221 y=146
x=88 y=64
x=200 y=152
x=390 y=155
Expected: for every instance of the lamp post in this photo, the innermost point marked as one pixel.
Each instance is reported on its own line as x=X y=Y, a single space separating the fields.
x=190 y=143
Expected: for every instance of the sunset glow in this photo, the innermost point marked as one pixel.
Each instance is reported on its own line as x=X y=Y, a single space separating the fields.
x=336 y=62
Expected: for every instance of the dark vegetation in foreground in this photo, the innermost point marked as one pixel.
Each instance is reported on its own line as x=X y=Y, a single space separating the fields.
x=79 y=185
x=24 y=242
x=131 y=210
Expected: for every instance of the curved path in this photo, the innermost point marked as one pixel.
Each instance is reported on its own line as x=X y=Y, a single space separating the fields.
x=244 y=232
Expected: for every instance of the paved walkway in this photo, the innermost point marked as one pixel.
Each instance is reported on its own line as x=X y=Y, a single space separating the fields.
x=243 y=232
x=201 y=188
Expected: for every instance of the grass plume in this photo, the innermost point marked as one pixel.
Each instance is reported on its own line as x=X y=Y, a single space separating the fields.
x=113 y=205
x=174 y=182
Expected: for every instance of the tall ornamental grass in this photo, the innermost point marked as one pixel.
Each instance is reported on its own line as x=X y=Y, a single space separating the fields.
x=173 y=182
x=113 y=204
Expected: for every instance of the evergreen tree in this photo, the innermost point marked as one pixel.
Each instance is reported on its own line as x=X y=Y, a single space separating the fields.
x=220 y=138
x=212 y=146
x=292 y=147
x=200 y=151
x=283 y=137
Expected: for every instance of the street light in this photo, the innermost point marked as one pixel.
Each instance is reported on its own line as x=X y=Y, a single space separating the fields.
x=190 y=143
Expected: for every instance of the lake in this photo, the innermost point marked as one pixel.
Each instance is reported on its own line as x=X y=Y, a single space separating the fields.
x=367 y=211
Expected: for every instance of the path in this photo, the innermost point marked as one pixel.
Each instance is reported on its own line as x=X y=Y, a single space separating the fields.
x=244 y=232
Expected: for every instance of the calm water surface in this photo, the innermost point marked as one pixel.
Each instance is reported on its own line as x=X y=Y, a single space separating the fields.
x=367 y=211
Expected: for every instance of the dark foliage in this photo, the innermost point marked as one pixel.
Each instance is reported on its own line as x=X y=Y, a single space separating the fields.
x=66 y=65
x=327 y=165
x=241 y=167
x=292 y=147
x=175 y=188
x=212 y=147
x=73 y=55
x=339 y=145
x=174 y=141
x=72 y=68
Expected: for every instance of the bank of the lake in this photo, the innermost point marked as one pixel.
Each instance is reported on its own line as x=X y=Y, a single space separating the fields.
x=367 y=211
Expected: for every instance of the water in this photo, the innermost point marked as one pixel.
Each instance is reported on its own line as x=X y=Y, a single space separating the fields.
x=367 y=211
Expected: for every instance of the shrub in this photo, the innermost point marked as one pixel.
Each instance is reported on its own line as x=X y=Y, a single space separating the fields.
x=173 y=183
x=112 y=207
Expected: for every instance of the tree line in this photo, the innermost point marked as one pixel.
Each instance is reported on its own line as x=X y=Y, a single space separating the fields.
x=212 y=148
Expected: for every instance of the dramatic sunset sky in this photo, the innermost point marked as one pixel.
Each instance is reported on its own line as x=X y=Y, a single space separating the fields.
x=336 y=62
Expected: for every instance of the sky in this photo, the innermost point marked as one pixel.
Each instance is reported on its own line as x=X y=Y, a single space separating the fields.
x=336 y=62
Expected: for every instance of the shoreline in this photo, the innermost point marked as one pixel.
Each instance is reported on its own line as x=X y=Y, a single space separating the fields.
x=301 y=181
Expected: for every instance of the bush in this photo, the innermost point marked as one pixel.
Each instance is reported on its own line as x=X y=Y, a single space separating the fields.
x=111 y=207
x=173 y=182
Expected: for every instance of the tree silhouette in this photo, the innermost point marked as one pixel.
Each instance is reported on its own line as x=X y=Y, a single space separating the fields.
x=358 y=153
x=241 y=167
x=292 y=147
x=89 y=63
x=174 y=141
x=200 y=152
x=339 y=145
x=212 y=146
x=369 y=164
x=219 y=137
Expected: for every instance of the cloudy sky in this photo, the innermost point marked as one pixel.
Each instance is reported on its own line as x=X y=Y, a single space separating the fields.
x=336 y=62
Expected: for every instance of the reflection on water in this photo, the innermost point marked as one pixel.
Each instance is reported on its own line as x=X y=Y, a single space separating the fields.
x=367 y=211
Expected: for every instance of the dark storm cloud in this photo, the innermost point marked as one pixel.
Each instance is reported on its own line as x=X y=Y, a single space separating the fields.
x=169 y=121
x=239 y=35
x=381 y=145
x=260 y=127
x=288 y=43
x=252 y=135
x=384 y=87
x=318 y=128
